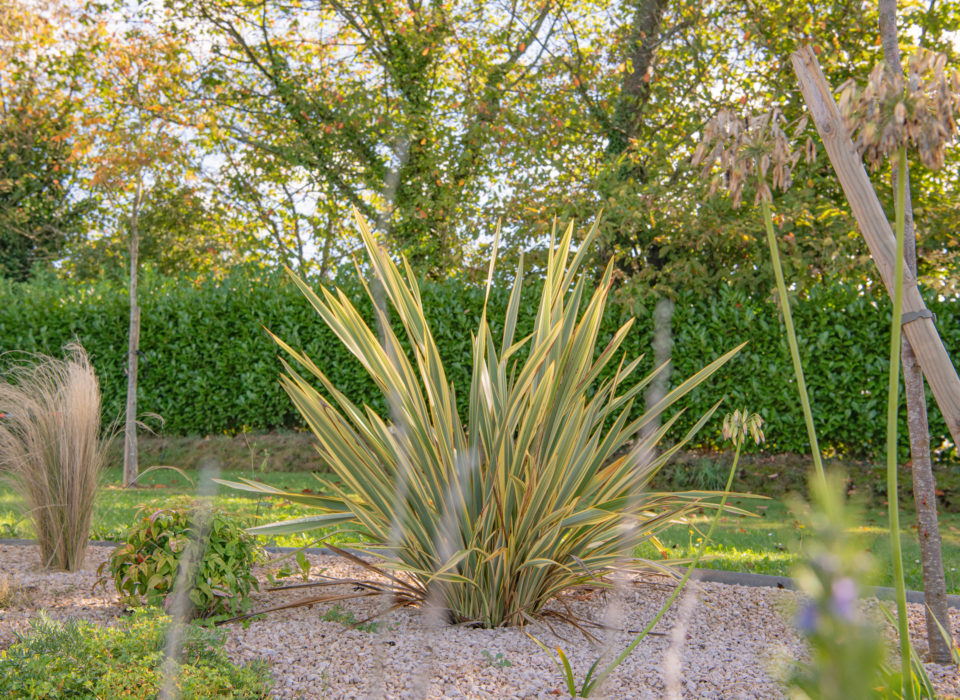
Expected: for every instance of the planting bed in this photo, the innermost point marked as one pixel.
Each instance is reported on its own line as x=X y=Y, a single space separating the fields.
x=731 y=641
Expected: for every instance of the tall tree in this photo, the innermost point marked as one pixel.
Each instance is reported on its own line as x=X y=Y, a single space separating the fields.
x=183 y=227
x=137 y=133
x=623 y=129
x=294 y=212
x=391 y=105
x=614 y=113
x=924 y=485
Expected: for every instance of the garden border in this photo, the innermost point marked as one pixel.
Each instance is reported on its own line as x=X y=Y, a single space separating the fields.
x=730 y=578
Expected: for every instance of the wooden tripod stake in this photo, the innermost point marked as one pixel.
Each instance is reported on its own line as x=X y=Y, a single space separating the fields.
x=918 y=323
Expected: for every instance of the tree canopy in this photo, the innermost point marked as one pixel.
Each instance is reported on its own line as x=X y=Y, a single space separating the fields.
x=40 y=85
x=263 y=122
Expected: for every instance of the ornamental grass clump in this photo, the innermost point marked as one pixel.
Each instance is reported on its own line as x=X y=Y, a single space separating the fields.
x=52 y=450
x=543 y=488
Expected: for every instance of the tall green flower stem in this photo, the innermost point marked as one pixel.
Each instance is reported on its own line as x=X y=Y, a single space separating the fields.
x=792 y=340
x=893 y=388
x=592 y=683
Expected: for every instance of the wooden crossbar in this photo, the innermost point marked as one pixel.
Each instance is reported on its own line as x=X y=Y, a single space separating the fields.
x=939 y=371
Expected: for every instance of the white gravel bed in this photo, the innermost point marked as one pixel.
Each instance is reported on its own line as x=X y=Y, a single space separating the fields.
x=721 y=642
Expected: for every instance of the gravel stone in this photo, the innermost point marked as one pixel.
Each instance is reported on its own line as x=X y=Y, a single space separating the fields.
x=734 y=642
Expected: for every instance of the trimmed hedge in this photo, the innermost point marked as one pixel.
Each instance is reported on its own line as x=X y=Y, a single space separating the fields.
x=208 y=366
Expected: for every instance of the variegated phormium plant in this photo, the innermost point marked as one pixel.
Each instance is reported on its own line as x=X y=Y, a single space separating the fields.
x=493 y=518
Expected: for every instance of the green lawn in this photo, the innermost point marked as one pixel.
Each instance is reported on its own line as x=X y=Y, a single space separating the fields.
x=767 y=544
x=116 y=506
x=762 y=544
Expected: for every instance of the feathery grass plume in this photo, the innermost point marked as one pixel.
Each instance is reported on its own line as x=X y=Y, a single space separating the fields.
x=496 y=516
x=52 y=450
x=849 y=654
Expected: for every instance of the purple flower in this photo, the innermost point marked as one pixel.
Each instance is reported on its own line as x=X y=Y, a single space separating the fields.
x=843 y=598
x=806 y=620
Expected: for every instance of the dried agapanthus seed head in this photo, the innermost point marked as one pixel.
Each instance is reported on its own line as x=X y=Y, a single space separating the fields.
x=917 y=111
x=740 y=423
x=752 y=149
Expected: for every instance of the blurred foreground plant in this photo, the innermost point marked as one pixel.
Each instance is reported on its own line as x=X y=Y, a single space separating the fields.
x=492 y=519
x=52 y=451
x=848 y=650
x=737 y=426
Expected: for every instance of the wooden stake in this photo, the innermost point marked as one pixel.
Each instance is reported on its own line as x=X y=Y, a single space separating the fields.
x=921 y=332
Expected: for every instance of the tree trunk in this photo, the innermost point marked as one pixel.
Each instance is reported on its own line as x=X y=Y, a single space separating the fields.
x=627 y=236
x=130 y=468
x=924 y=485
x=639 y=53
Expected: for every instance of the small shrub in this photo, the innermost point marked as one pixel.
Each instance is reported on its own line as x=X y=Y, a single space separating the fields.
x=52 y=451
x=144 y=568
x=286 y=571
x=83 y=660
